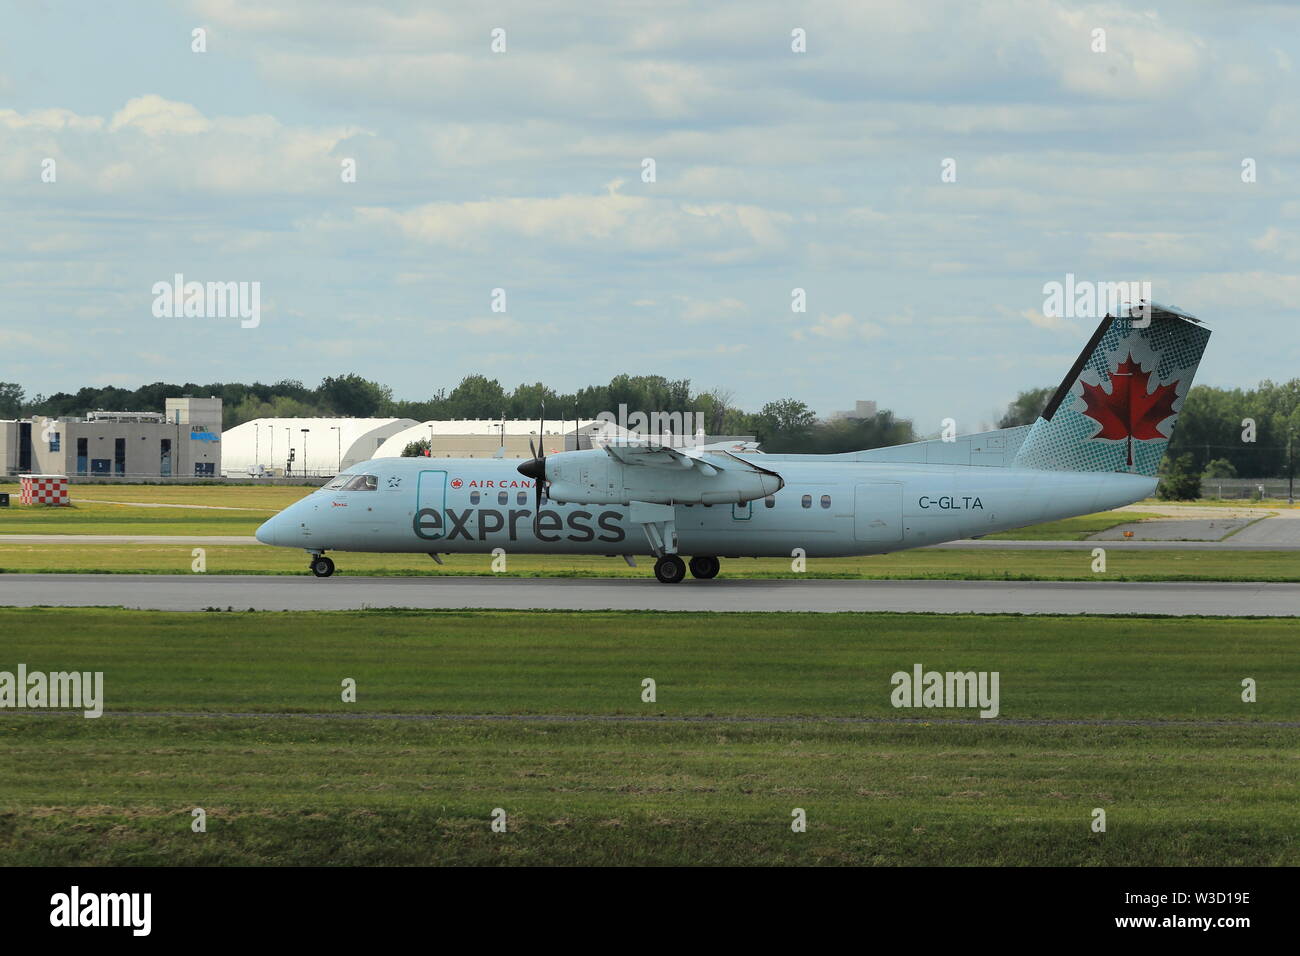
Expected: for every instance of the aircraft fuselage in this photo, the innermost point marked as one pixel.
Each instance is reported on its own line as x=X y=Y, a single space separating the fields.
x=826 y=509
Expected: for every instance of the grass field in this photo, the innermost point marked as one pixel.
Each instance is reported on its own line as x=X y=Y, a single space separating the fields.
x=267 y=498
x=759 y=714
x=1075 y=529
x=101 y=518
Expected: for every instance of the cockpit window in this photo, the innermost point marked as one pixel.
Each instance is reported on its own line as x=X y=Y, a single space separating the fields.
x=354 y=483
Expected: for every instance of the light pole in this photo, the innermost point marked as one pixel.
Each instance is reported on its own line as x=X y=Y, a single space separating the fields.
x=288 y=440
x=304 y=451
x=1290 y=467
x=339 y=429
x=271 y=457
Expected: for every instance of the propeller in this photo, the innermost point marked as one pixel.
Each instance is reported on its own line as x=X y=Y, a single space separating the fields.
x=535 y=468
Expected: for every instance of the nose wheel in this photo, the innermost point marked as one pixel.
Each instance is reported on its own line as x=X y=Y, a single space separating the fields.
x=670 y=569
x=322 y=566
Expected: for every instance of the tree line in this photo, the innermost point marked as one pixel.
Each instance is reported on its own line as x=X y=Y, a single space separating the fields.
x=787 y=425
x=1221 y=432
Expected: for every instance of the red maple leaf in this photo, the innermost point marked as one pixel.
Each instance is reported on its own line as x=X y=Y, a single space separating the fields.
x=1129 y=410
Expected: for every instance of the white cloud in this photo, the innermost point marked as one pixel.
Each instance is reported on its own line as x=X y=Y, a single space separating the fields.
x=842 y=327
x=702 y=310
x=154 y=144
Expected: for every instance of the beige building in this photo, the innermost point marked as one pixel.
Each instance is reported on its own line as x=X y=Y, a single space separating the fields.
x=861 y=410
x=182 y=442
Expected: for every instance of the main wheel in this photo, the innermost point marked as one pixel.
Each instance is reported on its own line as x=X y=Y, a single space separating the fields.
x=705 y=567
x=322 y=566
x=670 y=569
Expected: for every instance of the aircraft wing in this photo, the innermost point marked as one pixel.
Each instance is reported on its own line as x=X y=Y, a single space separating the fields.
x=660 y=456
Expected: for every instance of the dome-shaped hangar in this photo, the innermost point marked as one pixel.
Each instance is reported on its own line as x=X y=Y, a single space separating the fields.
x=320 y=446
x=482 y=437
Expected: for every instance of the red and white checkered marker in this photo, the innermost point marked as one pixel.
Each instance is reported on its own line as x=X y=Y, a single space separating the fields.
x=44 y=490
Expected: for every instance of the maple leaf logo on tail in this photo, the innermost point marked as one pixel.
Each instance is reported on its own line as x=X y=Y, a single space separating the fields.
x=1131 y=409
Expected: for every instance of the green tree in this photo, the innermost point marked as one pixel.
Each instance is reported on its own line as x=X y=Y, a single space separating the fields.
x=1026 y=407
x=11 y=400
x=477 y=396
x=352 y=396
x=526 y=402
x=788 y=416
x=1179 y=480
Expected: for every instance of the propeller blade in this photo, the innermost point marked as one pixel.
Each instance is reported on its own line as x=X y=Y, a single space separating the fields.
x=541 y=433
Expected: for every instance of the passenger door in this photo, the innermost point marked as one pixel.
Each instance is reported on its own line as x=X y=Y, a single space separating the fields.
x=431 y=495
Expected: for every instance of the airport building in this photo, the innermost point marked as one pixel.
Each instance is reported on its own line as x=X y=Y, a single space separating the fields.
x=861 y=410
x=482 y=437
x=186 y=441
x=183 y=441
x=486 y=437
x=308 y=447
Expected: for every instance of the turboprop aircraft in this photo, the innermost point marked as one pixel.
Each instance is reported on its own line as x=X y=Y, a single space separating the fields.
x=1096 y=446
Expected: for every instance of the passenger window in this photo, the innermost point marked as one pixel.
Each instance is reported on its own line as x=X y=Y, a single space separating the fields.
x=807 y=501
x=769 y=501
x=826 y=501
x=503 y=498
x=521 y=498
x=474 y=497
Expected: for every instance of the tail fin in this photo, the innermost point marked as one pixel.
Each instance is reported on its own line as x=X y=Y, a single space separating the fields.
x=1117 y=407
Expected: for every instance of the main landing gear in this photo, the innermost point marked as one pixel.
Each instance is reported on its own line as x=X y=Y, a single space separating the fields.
x=670 y=569
x=321 y=566
x=705 y=567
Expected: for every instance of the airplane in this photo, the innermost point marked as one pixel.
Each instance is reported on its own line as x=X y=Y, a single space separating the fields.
x=1096 y=446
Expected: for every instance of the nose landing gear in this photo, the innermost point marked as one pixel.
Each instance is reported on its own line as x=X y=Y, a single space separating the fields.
x=322 y=566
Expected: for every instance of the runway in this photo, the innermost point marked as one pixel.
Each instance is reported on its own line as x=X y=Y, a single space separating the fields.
x=198 y=592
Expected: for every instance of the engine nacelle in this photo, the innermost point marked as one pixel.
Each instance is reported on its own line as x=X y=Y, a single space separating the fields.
x=598 y=477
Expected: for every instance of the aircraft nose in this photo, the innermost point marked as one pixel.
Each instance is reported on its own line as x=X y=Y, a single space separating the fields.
x=266 y=533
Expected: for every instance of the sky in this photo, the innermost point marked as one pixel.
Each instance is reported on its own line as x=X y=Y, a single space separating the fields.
x=920 y=170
